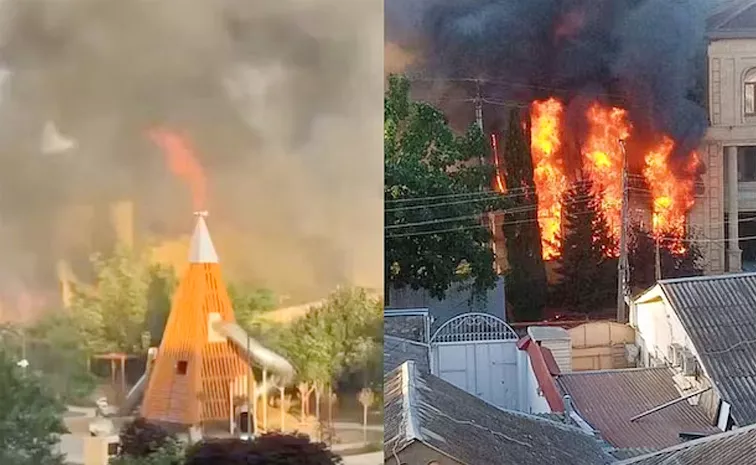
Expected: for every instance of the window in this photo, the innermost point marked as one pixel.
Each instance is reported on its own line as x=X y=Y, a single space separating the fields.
x=749 y=93
x=181 y=367
x=747 y=164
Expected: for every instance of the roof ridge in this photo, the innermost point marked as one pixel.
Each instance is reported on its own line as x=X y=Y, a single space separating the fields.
x=612 y=370
x=692 y=443
x=409 y=397
x=717 y=277
x=408 y=341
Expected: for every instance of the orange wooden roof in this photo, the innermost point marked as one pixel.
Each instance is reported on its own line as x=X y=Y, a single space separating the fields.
x=192 y=375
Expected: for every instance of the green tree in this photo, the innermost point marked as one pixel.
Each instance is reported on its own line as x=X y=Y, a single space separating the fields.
x=676 y=260
x=343 y=335
x=57 y=349
x=587 y=269
x=250 y=304
x=433 y=198
x=113 y=309
x=30 y=418
x=526 y=277
x=161 y=285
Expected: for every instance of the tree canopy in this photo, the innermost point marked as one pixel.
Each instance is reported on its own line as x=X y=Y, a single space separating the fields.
x=434 y=191
x=268 y=449
x=588 y=273
x=30 y=418
x=343 y=335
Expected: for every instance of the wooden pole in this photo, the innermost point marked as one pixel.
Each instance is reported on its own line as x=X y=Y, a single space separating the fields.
x=265 y=400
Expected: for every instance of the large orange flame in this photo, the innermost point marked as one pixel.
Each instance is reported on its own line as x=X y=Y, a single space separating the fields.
x=603 y=159
x=548 y=171
x=182 y=162
x=672 y=197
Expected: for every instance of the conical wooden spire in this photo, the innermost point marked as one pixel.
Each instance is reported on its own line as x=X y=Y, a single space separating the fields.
x=195 y=366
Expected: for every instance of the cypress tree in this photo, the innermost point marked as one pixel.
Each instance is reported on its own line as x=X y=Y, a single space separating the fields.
x=526 y=277
x=586 y=266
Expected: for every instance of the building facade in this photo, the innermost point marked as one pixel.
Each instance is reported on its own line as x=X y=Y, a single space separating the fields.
x=725 y=212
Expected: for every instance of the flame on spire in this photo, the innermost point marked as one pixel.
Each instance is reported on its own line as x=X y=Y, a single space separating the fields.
x=182 y=161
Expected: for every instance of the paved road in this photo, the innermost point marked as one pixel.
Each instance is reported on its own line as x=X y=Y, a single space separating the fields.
x=375 y=458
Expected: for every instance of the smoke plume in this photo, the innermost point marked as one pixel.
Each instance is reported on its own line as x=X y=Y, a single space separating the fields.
x=281 y=100
x=645 y=55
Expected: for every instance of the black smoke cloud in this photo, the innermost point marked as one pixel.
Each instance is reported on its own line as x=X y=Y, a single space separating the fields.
x=281 y=99
x=646 y=55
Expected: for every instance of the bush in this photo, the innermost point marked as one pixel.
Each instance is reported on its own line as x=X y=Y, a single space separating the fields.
x=268 y=449
x=171 y=454
x=141 y=438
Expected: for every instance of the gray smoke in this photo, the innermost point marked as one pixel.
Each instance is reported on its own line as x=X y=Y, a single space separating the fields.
x=279 y=98
x=646 y=55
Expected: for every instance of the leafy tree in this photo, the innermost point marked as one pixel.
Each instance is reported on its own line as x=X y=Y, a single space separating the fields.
x=343 y=335
x=268 y=449
x=112 y=310
x=140 y=438
x=675 y=261
x=526 y=278
x=588 y=273
x=161 y=286
x=250 y=304
x=424 y=160
x=57 y=350
x=30 y=418
x=169 y=454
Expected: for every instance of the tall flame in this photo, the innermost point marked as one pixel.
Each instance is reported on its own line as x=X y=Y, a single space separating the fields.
x=499 y=185
x=603 y=159
x=548 y=171
x=672 y=197
x=182 y=162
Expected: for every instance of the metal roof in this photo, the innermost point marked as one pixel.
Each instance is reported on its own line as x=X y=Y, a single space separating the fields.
x=734 y=447
x=397 y=351
x=421 y=407
x=609 y=399
x=719 y=315
x=732 y=19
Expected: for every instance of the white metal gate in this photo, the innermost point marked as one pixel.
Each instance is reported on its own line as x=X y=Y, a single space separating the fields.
x=477 y=352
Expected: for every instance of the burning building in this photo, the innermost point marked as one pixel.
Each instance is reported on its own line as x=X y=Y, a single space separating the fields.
x=590 y=74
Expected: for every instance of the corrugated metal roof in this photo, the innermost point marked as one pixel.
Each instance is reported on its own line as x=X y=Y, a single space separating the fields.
x=397 y=351
x=607 y=400
x=419 y=406
x=732 y=448
x=719 y=315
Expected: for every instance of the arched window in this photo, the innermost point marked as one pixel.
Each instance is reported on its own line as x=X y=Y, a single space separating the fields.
x=749 y=93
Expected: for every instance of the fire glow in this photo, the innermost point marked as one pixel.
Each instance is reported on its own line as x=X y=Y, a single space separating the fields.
x=183 y=163
x=602 y=160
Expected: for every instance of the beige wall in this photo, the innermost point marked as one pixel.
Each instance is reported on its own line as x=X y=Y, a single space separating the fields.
x=600 y=345
x=729 y=61
x=418 y=453
x=707 y=215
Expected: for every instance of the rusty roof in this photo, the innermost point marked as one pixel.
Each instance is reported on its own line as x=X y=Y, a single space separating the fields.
x=608 y=399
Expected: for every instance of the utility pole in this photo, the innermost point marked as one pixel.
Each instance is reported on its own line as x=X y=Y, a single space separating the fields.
x=657 y=259
x=622 y=263
x=479 y=113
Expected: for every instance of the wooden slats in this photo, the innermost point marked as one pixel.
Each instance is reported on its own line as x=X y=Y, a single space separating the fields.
x=201 y=394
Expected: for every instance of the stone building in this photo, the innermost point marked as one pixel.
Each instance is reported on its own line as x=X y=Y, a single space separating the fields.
x=725 y=211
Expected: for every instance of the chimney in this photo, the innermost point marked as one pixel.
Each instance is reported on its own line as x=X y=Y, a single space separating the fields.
x=568 y=409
